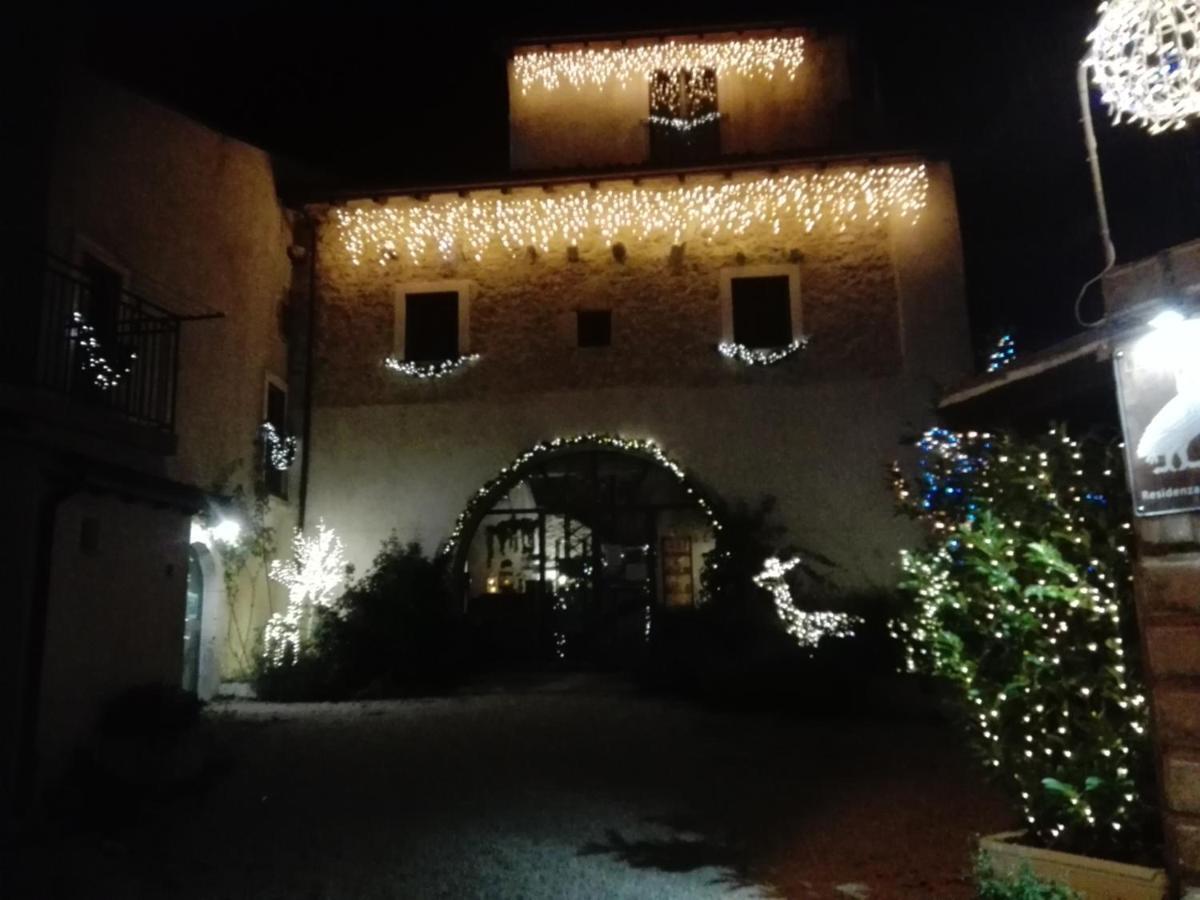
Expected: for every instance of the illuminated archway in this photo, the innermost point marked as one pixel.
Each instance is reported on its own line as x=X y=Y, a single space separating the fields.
x=593 y=521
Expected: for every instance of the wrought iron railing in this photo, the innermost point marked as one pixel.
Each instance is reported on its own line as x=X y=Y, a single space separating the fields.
x=91 y=340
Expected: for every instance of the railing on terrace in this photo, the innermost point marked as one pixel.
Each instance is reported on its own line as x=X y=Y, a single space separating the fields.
x=82 y=335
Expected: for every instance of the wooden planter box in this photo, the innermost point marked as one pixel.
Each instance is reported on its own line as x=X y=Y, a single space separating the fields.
x=1094 y=879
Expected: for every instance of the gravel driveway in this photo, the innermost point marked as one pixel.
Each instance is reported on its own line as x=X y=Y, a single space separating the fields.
x=575 y=789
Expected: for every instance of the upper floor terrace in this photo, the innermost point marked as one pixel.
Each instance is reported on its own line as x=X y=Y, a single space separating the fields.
x=664 y=100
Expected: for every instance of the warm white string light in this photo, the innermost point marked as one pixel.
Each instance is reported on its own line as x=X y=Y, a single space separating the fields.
x=808 y=628
x=450 y=227
x=638 y=446
x=755 y=356
x=312 y=577
x=427 y=370
x=682 y=124
x=281 y=449
x=601 y=66
x=1145 y=58
x=105 y=374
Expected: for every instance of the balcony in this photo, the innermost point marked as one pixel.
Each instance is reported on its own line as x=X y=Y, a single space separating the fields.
x=81 y=336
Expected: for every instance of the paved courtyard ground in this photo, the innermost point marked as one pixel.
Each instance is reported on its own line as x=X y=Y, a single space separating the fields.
x=570 y=789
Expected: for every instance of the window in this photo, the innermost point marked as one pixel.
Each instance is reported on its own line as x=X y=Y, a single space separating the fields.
x=431 y=321
x=101 y=298
x=275 y=413
x=760 y=305
x=98 y=303
x=684 y=122
x=593 y=327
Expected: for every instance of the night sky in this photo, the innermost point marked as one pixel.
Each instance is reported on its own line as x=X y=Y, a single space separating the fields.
x=370 y=97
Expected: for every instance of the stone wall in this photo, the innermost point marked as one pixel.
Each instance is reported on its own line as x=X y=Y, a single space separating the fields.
x=883 y=305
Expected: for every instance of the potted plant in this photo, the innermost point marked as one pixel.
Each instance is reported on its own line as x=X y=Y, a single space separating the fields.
x=1023 y=603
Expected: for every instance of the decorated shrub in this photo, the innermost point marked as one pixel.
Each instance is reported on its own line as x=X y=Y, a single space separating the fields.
x=1023 y=601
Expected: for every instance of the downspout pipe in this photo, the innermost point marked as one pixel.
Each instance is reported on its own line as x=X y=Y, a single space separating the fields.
x=309 y=354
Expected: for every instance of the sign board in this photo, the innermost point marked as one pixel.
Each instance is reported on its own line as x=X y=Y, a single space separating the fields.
x=1159 y=395
x=678 y=589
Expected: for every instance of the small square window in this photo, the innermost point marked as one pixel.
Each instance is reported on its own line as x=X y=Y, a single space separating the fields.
x=762 y=311
x=594 y=327
x=431 y=326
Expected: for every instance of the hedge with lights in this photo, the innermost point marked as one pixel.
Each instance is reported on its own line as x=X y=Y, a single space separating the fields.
x=1023 y=601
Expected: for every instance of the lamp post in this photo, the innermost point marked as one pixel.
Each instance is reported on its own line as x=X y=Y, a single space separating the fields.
x=1144 y=56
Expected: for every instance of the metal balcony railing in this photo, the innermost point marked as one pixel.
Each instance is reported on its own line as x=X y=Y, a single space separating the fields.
x=84 y=336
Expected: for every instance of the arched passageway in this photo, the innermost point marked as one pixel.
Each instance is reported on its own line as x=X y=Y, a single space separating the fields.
x=575 y=549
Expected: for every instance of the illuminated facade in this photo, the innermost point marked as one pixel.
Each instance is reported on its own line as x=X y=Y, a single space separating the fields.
x=679 y=261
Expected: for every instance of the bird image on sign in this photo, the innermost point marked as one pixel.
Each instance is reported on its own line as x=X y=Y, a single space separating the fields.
x=1176 y=427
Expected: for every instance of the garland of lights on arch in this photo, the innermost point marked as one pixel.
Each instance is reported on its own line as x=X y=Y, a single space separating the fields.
x=606 y=441
x=450 y=227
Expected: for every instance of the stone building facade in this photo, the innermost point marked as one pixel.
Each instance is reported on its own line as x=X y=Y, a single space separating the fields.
x=868 y=244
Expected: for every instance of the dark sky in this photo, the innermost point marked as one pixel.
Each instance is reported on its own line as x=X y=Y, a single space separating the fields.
x=375 y=96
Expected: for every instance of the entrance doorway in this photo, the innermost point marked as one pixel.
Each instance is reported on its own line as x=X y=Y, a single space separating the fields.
x=575 y=555
x=191 y=622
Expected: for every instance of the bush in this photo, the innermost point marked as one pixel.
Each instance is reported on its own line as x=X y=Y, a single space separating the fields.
x=1022 y=886
x=391 y=633
x=394 y=630
x=734 y=647
x=1023 y=602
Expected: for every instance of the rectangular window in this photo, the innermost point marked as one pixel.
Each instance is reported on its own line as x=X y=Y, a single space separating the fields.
x=760 y=305
x=684 y=122
x=101 y=299
x=594 y=327
x=275 y=413
x=432 y=319
x=762 y=314
x=431 y=326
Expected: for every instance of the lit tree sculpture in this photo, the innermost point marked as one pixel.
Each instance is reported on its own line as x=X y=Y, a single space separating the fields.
x=312 y=577
x=1145 y=58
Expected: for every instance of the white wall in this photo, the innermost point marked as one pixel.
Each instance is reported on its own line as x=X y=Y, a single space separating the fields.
x=820 y=448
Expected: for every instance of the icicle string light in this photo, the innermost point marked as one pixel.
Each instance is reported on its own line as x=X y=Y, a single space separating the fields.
x=1145 y=58
x=429 y=370
x=751 y=356
x=450 y=227
x=599 y=67
x=808 y=628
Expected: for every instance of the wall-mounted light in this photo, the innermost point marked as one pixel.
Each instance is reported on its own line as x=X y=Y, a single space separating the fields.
x=225 y=531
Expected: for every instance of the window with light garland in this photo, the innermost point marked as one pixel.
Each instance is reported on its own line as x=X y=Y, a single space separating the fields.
x=1022 y=599
x=762 y=316
x=684 y=122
